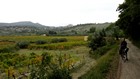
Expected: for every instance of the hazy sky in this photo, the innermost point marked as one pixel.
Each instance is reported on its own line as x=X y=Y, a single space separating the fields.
x=59 y=12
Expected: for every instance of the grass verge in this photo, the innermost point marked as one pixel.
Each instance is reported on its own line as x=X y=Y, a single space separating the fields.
x=105 y=65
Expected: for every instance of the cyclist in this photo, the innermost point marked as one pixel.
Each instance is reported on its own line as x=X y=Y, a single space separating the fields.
x=123 y=49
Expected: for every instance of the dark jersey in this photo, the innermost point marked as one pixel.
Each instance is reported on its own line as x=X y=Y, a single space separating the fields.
x=123 y=44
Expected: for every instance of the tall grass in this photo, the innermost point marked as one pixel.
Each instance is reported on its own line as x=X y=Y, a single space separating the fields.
x=35 y=38
x=57 y=46
x=7 y=43
x=102 y=68
x=6 y=47
x=100 y=51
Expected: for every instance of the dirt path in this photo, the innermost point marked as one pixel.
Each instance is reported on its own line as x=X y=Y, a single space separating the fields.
x=131 y=68
x=89 y=62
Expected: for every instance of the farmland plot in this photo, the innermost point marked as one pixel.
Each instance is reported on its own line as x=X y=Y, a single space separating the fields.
x=72 y=50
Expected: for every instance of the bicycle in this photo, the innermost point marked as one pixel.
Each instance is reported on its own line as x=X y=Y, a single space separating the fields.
x=123 y=53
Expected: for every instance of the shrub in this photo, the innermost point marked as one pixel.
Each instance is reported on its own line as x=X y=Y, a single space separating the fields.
x=110 y=41
x=63 y=40
x=103 y=66
x=48 y=70
x=56 y=40
x=60 y=74
x=40 y=42
x=23 y=44
x=100 y=51
x=97 y=41
x=59 y=46
x=8 y=49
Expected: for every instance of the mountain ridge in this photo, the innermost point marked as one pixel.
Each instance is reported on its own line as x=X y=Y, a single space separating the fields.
x=22 y=23
x=30 y=28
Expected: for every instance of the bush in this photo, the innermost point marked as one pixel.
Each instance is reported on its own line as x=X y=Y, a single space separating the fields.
x=110 y=41
x=40 y=42
x=60 y=74
x=56 y=40
x=100 y=51
x=23 y=44
x=63 y=40
x=7 y=49
x=103 y=66
x=48 y=70
x=59 y=46
x=97 y=41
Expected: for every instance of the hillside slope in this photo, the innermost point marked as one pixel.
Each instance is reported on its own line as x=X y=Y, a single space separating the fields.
x=82 y=28
x=23 y=28
x=30 y=28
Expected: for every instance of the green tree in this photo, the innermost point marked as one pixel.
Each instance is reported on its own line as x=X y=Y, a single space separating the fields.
x=129 y=18
x=103 y=33
x=92 y=30
x=114 y=31
x=96 y=41
x=74 y=32
x=52 y=33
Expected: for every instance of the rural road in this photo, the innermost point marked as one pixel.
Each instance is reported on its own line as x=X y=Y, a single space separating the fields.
x=131 y=68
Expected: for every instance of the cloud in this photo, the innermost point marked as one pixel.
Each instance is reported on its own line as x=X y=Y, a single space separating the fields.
x=59 y=12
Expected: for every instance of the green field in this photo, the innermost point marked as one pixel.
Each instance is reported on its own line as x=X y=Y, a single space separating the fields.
x=15 y=60
x=35 y=38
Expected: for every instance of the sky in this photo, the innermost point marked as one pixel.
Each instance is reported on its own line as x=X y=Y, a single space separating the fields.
x=59 y=12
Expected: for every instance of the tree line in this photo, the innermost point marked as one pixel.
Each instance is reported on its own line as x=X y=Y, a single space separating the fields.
x=129 y=18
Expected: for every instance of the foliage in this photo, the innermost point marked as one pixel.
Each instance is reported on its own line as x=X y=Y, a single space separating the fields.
x=100 y=51
x=102 y=68
x=111 y=41
x=24 y=64
x=33 y=39
x=16 y=42
x=114 y=31
x=103 y=33
x=92 y=29
x=56 y=40
x=13 y=60
x=82 y=29
x=23 y=44
x=97 y=41
x=52 y=33
x=42 y=67
x=7 y=49
x=63 y=40
x=57 y=46
x=40 y=42
x=40 y=70
x=7 y=46
x=48 y=70
x=61 y=70
x=63 y=73
x=90 y=36
x=129 y=18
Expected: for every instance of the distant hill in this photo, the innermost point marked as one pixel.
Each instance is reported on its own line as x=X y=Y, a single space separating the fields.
x=82 y=29
x=30 y=28
x=23 y=28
